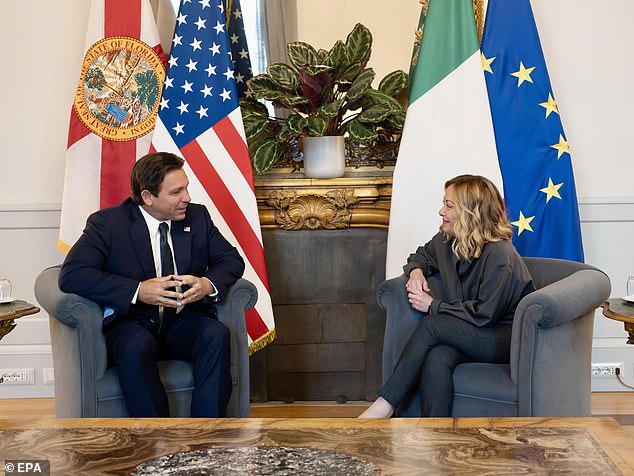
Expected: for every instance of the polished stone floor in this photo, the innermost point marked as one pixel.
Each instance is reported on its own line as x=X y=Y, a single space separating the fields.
x=277 y=446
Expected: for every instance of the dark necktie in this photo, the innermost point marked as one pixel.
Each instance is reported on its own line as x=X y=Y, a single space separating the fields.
x=167 y=268
x=167 y=259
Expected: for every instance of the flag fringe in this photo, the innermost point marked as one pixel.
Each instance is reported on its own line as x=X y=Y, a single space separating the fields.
x=261 y=342
x=63 y=247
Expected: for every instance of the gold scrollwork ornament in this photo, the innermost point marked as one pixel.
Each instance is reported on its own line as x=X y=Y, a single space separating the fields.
x=311 y=211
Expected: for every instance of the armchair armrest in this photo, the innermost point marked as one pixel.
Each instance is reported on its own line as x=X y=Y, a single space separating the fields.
x=79 y=344
x=552 y=327
x=241 y=297
x=564 y=300
x=401 y=320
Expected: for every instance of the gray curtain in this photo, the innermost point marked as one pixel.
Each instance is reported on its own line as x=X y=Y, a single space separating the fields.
x=279 y=19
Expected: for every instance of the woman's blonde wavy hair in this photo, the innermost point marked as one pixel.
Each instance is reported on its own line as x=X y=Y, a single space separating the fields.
x=481 y=215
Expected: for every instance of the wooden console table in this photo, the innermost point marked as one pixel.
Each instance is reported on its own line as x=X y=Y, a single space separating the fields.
x=325 y=245
x=11 y=311
x=290 y=201
x=620 y=310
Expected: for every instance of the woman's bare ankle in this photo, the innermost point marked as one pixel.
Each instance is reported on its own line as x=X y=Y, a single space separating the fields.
x=380 y=408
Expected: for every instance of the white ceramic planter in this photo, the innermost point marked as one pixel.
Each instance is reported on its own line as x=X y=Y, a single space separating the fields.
x=324 y=157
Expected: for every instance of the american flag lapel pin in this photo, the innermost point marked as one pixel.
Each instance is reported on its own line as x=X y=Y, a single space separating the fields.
x=187 y=229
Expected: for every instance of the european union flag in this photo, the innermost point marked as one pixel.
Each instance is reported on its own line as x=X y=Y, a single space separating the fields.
x=532 y=147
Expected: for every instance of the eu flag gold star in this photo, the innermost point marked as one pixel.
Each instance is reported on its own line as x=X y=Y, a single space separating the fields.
x=523 y=223
x=552 y=190
x=486 y=63
x=550 y=105
x=524 y=74
x=561 y=147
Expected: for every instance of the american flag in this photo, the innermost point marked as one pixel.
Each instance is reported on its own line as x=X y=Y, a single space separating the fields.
x=200 y=119
x=239 y=49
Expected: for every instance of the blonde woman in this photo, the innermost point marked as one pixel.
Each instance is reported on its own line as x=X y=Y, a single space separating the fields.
x=468 y=280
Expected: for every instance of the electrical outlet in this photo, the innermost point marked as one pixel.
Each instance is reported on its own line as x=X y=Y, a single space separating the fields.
x=606 y=369
x=48 y=377
x=17 y=376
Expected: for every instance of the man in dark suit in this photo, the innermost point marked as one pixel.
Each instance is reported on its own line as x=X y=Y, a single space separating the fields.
x=159 y=304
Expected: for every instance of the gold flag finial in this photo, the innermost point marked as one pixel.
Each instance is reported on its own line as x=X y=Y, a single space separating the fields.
x=229 y=4
x=478 y=10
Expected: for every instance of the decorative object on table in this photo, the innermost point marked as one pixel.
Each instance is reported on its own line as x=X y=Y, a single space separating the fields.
x=327 y=93
x=5 y=290
x=324 y=157
x=629 y=289
x=278 y=460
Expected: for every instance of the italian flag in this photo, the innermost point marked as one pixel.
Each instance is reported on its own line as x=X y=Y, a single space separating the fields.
x=448 y=129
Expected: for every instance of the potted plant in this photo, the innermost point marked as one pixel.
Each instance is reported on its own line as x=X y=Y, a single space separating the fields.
x=326 y=94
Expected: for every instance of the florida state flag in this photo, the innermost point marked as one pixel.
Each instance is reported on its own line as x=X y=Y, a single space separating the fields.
x=114 y=110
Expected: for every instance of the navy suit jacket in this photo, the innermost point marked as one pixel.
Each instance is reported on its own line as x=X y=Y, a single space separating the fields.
x=114 y=254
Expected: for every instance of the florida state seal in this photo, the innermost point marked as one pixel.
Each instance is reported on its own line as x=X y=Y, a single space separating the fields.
x=119 y=88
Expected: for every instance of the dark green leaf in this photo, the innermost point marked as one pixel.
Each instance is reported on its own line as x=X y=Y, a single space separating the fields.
x=284 y=76
x=396 y=121
x=267 y=155
x=332 y=109
x=322 y=58
x=301 y=54
x=254 y=125
x=393 y=83
x=263 y=87
x=316 y=126
x=269 y=94
x=359 y=45
x=375 y=113
x=317 y=69
x=360 y=85
x=361 y=132
x=296 y=123
x=293 y=101
x=338 y=57
x=373 y=97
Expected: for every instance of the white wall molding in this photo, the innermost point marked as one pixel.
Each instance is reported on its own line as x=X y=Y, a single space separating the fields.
x=606 y=210
x=24 y=349
x=30 y=216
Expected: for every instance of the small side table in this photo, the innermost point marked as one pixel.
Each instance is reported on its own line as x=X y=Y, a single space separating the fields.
x=621 y=310
x=11 y=311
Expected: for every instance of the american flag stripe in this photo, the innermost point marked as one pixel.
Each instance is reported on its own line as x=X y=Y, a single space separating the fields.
x=226 y=203
x=260 y=319
x=216 y=144
x=236 y=146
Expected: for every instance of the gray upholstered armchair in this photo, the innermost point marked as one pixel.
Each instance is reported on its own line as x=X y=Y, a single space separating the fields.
x=549 y=372
x=86 y=387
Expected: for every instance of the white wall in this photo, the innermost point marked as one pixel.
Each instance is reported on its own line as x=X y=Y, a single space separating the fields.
x=587 y=48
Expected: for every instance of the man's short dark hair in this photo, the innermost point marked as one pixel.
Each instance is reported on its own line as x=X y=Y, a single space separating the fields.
x=149 y=171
